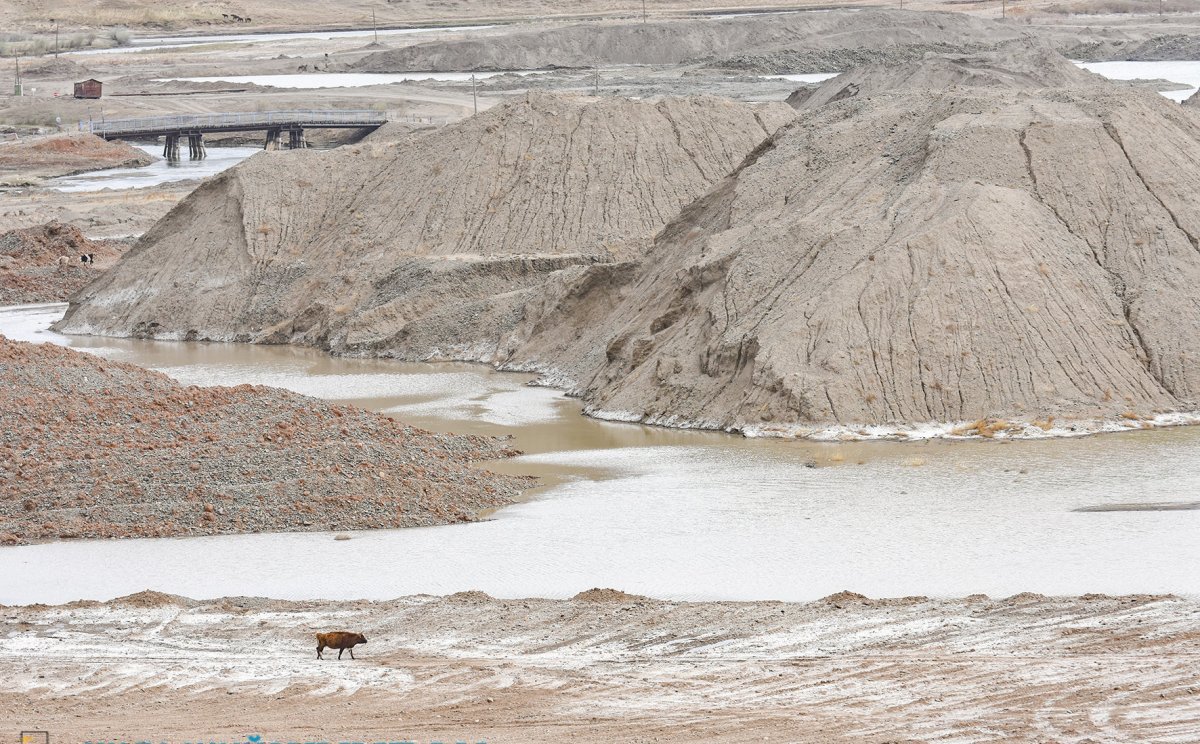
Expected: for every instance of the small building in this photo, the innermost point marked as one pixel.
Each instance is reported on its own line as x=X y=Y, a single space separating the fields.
x=88 y=89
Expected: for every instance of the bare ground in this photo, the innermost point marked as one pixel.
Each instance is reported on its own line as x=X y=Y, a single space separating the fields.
x=606 y=666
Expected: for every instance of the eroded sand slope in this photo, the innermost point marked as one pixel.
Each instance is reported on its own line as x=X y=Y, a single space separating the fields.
x=424 y=243
x=928 y=256
x=1020 y=245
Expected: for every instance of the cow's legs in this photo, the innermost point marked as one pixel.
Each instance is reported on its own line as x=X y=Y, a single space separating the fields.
x=340 y=650
x=319 y=650
x=351 y=653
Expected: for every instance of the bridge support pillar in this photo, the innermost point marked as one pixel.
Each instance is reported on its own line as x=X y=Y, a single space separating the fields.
x=171 y=148
x=296 y=139
x=272 y=140
x=196 y=149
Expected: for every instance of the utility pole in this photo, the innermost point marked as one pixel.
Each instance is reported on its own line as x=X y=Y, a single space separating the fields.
x=644 y=10
x=18 y=89
x=474 y=98
x=597 y=83
x=1003 y=8
x=374 y=28
x=55 y=37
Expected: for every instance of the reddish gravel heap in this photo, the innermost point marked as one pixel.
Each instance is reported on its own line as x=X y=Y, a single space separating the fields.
x=64 y=155
x=94 y=448
x=29 y=262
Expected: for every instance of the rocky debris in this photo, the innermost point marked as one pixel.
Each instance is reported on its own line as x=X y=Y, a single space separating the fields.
x=95 y=448
x=923 y=256
x=1019 y=64
x=729 y=42
x=429 y=244
x=32 y=269
x=64 y=155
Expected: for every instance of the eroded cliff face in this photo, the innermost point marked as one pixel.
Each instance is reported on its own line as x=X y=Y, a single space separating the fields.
x=421 y=246
x=928 y=256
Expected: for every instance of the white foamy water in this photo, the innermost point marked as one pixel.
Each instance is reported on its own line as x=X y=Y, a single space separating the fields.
x=308 y=80
x=666 y=513
x=158 y=172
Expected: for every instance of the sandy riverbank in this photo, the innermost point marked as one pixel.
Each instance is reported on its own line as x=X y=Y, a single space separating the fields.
x=605 y=667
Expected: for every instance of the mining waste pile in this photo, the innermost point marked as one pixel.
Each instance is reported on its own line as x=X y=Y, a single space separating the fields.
x=1022 y=63
x=1022 y=250
x=42 y=263
x=65 y=155
x=827 y=41
x=427 y=245
x=97 y=448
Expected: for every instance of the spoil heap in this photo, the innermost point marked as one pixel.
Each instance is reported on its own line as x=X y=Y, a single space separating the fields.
x=64 y=155
x=31 y=269
x=1006 y=250
x=95 y=448
x=754 y=42
x=427 y=245
x=1018 y=64
x=925 y=256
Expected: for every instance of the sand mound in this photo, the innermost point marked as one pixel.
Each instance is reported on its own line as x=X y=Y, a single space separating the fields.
x=470 y=597
x=428 y=245
x=1157 y=48
x=148 y=598
x=926 y=256
x=57 y=68
x=95 y=448
x=751 y=38
x=29 y=262
x=44 y=244
x=845 y=597
x=63 y=155
x=1020 y=64
x=607 y=595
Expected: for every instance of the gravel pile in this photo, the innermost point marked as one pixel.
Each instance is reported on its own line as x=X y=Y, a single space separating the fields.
x=93 y=448
x=29 y=262
x=804 y=61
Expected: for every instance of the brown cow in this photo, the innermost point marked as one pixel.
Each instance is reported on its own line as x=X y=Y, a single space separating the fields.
x=339 y=639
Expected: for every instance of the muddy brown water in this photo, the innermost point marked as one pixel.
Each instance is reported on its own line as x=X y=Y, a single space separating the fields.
x=667 y=513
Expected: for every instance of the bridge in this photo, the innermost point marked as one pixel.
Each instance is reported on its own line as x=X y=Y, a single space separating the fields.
x=274 y=123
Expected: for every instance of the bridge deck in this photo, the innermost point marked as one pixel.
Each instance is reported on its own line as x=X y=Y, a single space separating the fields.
x=246 y=122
